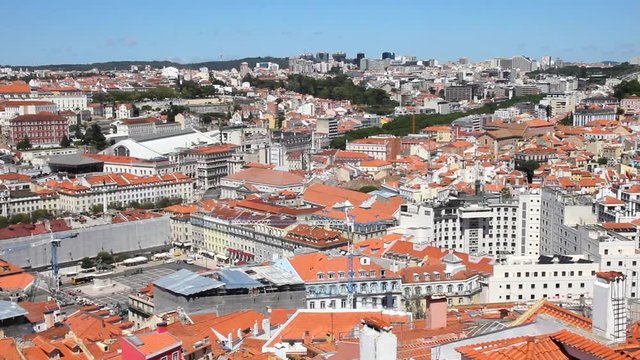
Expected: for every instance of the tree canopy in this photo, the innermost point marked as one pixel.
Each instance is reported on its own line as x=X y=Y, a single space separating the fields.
x=24 y=144
x=402 y=125
x=94 y=137
x=627 y=88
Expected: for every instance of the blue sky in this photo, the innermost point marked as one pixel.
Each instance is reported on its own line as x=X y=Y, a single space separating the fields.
x=45 y=31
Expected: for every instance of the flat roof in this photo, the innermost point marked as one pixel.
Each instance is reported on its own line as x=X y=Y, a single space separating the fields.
x=73 y=160
x=10 y=310
x=185 y=282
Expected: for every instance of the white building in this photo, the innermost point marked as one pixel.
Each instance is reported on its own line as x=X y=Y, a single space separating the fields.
x=478 y=225
x=531 y=278
x=81 y=194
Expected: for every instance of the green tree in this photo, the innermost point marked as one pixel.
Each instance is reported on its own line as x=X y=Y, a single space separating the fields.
x=206 y=119
x=164 y=202
x=87 y=263
x=567 y=121
x=94 y=137
x=627 y=88
x=4 y=222
x=105 y=257
x=603 y=161
x=65 y=142
x=280 y=120
x=24 y=144
x=368 y=188
x=96 y=209
x=19 y=219
x=135 y=111
x=40 y=214
x=528 y=167
x=505 y=193
x=146 y=108
x=121 y=257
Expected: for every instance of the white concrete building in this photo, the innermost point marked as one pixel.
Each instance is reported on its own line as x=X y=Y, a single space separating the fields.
x=478 y=225
x=531 y=278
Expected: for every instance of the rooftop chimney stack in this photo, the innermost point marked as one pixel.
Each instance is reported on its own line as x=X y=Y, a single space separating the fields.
x=610 y=306
x=436 y=312
x=161 y=327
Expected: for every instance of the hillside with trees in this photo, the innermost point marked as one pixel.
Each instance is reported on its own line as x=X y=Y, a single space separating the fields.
x=126 y=65
x=402 y=125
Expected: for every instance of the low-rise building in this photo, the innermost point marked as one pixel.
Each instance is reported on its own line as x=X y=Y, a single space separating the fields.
x=82 y=193
x=327 y=282
x=41 y=129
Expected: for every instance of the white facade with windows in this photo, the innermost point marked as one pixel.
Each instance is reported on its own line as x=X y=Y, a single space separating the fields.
x=478 y=225
x=531 y=278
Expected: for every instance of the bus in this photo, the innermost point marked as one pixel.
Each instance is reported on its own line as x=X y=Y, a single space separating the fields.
x=82 y=279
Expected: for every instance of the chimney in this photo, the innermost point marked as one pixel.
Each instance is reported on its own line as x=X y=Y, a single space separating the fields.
x=436 y=312
x=161 y=327
x=609 y=317
x=377 y=341
x=266 y=327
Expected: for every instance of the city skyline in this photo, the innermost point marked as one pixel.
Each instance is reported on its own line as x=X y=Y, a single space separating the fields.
x=144 y=31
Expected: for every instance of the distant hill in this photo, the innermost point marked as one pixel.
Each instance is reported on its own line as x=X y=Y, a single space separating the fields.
x=595 y=71
x=126 y=65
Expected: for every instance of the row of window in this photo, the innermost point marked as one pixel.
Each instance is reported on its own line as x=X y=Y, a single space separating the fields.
x=544 y=273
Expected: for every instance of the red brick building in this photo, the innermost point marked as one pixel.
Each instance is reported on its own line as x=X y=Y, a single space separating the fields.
x=41 y=129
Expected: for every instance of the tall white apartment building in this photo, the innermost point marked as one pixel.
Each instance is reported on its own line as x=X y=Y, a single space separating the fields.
x=560 y=213
x=485 y=225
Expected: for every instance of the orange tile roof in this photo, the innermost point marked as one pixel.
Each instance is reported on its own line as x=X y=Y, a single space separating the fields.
x=548 y=346
x=12 y=176
x=308 y=266
x=9 y=349
x=155 y=342
x=16 y=87
x=326 y=195
x=266 y=176
x=16 y=282
x=545 y=307
x=320 y=324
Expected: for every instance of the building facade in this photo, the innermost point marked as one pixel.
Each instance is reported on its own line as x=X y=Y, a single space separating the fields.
x=40 y=129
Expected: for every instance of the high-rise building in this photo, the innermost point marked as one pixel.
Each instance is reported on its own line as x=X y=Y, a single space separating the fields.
x=388 y=55
x=322 y=56
x=339 y=56
x=359 y=56
x=244 y=68
x=523 y=63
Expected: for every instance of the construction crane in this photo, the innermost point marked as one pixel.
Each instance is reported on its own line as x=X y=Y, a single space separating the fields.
x=55 y=244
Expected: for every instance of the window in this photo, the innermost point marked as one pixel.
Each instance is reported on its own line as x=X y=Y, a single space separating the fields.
x=320 y=275
x=174 y=356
